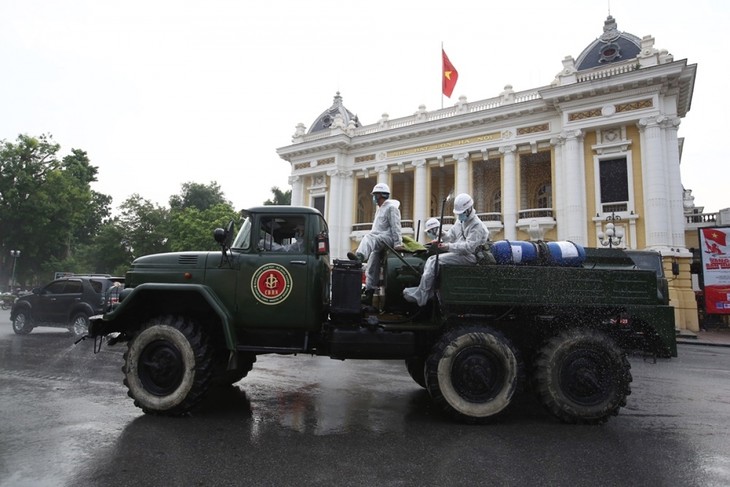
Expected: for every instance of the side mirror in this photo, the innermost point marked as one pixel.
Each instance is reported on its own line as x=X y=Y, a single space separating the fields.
x=224 y=237
x=219 y=235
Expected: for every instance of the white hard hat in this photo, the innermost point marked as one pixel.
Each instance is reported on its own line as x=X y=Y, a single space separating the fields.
x=431 y=223
x=381 y=188
x=462 y=202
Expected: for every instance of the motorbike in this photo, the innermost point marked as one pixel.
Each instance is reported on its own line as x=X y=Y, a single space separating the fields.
x=6 y=301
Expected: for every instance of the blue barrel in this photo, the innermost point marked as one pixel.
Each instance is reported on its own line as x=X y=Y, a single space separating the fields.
x=565 y=254
x=517 y=252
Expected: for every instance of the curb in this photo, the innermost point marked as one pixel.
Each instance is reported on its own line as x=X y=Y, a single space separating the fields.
x=697 y=342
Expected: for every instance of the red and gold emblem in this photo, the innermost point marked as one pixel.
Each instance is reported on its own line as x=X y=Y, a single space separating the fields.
x=271 y=284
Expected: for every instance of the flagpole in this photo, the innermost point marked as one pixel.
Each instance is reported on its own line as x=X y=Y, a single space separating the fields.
x=442 y=75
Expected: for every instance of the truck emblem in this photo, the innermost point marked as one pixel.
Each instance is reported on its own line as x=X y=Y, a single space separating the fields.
x=271 y=284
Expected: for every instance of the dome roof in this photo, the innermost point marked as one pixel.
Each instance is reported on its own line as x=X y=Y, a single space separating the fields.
x=327 y=118
x=613 y=46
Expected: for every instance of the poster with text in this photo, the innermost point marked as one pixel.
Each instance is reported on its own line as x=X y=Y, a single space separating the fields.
x=716 y=269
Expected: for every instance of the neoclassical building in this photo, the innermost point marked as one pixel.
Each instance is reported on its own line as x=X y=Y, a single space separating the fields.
x=599 y=144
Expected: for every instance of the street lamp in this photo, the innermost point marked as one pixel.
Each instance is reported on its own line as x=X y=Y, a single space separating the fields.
x=14 y=254
x=613 y=235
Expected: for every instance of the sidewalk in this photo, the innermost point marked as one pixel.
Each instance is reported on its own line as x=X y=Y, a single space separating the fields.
x=717 y=337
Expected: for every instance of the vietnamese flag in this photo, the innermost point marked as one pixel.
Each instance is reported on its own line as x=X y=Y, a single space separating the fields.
x=449 y=75
x=715 y=235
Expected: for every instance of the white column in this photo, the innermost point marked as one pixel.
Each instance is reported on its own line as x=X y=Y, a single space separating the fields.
x=420 y=195
x=560 y=187
x=509 y=192
x=296 y=190
x=383 y=175
x=347 y=206
x=338 y=234
x=575 y=204
x=676 y=194
x=656 y=194
x=462 y=173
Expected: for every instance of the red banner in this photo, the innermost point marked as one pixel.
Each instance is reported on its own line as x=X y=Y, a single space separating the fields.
x=716 y=269
x=449 y=75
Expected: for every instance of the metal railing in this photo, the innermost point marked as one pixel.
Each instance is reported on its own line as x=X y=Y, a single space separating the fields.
x=535 y=213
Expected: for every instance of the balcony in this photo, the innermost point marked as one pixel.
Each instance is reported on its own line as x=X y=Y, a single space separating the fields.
x=536 y=222
x=493 y=221
x=693 y=221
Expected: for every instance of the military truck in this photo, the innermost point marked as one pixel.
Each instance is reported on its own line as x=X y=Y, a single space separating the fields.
x=196 y=320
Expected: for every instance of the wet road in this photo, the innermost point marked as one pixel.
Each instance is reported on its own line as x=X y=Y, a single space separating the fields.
x=65 y=420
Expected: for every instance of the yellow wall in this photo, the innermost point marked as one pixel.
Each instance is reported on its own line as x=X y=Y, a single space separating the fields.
x=632 y=133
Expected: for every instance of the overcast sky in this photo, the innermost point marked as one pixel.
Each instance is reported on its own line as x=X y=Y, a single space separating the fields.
x=163 y=92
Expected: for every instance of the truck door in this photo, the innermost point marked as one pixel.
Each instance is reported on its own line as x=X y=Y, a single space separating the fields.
x=275 y=289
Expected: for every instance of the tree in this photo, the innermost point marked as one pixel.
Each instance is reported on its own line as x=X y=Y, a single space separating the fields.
x=144 y=226
x=46 y=206
x=192 y=229
x=196 y=195
x=195 y=213
x=280 y=197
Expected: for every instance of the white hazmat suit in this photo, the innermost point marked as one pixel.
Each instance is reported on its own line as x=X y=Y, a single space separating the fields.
x=386 y=229
x=463 y=240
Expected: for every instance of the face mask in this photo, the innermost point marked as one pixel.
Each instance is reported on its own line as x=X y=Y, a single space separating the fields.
x=375 y=200
x=432 y=234
x=462 y=217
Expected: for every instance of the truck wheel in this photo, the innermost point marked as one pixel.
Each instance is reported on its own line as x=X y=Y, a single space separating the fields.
x=415 y=368
x=582 y=376
x=22 y=325
x=80 y=325
x=473 y=373
x=168 y=366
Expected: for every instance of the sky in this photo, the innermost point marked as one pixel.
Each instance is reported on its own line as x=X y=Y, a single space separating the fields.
x=164 y=92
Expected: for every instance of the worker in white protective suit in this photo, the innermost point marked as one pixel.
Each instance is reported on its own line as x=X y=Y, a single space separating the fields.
x=459 y=244
x=432 y=229
x=386 y=229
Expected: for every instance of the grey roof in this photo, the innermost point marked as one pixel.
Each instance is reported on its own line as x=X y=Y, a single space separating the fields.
x=613 y=46
x=324 y=121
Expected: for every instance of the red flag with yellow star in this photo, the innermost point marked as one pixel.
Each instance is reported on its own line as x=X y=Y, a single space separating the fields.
x=449 y=75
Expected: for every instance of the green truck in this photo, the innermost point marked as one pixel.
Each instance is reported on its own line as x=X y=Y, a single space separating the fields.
x=196 y=320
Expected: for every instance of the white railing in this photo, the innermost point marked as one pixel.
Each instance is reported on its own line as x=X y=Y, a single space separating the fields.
x=448 y=112
x=600 y=73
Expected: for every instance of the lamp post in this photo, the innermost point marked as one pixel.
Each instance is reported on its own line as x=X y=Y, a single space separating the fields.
x=14 y=254
x=613 y=235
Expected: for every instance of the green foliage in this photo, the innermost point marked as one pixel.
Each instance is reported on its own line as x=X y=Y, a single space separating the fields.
x=192 y=229
x=144 y=226
x=280 y=197
x=47 y=208
x=199 y=196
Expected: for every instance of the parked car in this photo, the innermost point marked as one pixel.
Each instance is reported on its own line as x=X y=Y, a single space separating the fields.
x=65 y=303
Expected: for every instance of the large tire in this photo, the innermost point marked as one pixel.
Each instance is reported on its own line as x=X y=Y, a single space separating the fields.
x=416 y=369
x=22 y=324
x=168 y=366
x=582 y=376
x=79 y=324
x=473 y=373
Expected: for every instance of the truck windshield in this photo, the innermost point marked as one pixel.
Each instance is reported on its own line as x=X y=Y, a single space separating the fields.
x=243 y=239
